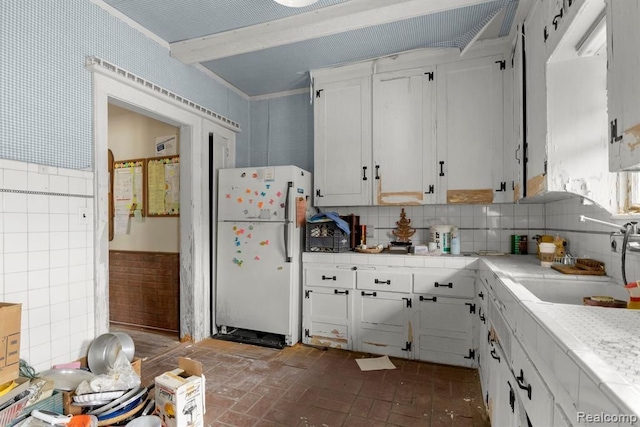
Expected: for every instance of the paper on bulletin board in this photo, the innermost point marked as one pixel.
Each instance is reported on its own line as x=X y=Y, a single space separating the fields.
x=128 y=184
x=301 y=211
x=166 y=145
x=163 y=186
x=121 y=222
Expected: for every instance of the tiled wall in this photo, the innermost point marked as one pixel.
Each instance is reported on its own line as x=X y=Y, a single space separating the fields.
x=144 y=289
x=591 y=240
x=482 y=227
x=46 y=260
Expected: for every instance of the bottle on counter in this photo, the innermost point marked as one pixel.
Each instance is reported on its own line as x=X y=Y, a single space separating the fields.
x=455 y=241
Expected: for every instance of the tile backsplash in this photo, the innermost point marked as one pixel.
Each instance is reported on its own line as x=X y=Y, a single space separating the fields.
x=46 y=261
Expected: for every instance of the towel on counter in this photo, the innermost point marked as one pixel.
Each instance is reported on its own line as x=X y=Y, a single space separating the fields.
x=333 y=216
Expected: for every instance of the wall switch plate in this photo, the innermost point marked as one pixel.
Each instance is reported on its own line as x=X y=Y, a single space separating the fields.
x=371 y=230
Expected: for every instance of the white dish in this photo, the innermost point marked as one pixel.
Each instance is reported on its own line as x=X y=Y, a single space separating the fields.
x=91 y=403
x=125 y=398
x=67 y=379
x=105 y=396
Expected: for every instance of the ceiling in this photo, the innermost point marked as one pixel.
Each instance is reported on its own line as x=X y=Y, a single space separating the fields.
x=262 y=47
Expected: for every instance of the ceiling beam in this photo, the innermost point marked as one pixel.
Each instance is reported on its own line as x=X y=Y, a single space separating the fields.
x=347 y=16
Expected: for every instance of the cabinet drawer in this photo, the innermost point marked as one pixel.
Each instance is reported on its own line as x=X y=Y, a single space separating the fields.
x=389 y=281
x=445 y=282
x=330 y=277
x=534 y=394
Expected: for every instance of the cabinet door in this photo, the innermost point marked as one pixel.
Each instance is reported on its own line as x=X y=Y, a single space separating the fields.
x=514 y=152
x=623 y=84
x=326 y=317
x=536 y=100
x=342 y=143
x=445 y=330
x=403 y=138
x=382 y=320
x=503 y=405
x=470 y=129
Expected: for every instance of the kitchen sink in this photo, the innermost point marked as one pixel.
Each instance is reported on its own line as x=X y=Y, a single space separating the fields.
x=572 y=291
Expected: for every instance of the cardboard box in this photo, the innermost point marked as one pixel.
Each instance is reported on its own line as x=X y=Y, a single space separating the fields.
x=180 y=395
x=10 y=317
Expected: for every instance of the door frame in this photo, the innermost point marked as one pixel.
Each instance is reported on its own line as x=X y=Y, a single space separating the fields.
x=196 y=284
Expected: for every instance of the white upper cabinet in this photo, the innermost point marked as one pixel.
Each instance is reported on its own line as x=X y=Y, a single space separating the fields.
x=470 y=131
x=623 y=84
x=342 y=146
x=536 y=99
x=404 y=154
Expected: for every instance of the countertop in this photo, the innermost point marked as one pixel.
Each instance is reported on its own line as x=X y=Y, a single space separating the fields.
x=602 y=343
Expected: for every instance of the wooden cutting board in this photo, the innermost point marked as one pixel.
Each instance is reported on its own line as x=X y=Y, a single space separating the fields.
x=570 y=269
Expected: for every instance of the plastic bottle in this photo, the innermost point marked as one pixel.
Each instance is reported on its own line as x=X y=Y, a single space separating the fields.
x=455 y=241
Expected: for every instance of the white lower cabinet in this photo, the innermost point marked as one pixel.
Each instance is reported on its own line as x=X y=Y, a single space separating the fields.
x=502 y=404
x=382 y=322
x=536 y=398
x=327 y=306
x=444 y=330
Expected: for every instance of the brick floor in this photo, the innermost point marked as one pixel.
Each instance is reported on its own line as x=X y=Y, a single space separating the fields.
x=306 y=386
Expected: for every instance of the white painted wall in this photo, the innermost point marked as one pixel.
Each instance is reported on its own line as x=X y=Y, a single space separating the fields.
x=132 y=136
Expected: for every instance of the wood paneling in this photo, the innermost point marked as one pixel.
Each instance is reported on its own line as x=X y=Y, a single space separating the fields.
x=144 y=289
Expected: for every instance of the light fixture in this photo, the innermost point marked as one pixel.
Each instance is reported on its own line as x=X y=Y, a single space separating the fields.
x=296 y=3
x=595 y=39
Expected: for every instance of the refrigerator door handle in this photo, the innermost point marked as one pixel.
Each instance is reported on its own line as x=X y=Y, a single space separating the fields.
x=287 y=223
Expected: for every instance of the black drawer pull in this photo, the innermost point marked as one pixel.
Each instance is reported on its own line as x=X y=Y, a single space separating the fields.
x=328 y=277
x=495 y=355
x=337 y=292
x=444 y=285
x=372 y=294
x=434 y=299
x=523 y=385
x=382 y=282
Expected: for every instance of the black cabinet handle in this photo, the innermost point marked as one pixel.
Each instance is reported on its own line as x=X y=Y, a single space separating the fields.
x=444 y=285
x=481 y=295
x=377 y=171
x=557 y=18
x=337 y=292
x=434 y=299
x=328 y=277
x=523 y=385
x=372 y=294
x=364 y=173
x=382 y=282
x=441 y=168
x=495 y=355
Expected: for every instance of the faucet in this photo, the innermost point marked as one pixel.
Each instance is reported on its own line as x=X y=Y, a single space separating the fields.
x=622 y=228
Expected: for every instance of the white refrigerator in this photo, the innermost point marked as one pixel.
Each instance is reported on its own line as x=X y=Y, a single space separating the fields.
x=259 y=249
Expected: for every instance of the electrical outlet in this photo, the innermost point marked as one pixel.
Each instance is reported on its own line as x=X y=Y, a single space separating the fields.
x=83 y=216
x=371 y=230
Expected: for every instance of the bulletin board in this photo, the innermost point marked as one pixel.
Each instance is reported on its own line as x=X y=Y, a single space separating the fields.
x=129 y=185
x=163 y=186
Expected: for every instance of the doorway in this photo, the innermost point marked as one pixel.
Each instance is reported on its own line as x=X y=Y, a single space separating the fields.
x=195 y=286
x=144 y=249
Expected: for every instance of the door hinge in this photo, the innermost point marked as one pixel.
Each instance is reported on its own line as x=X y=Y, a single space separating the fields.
x=472 y=354
x=306 y=333
x=545 y=167
x=318 y=92
x=408 y=300
x=407 y=346
x=502 y=63
x=512 y=397
x=556 y=19
x=472 y=307
x=431 y=190
x=318 y=194
x=614 y=131
x=503 y=186
x=430 y=74
x=306 y=293
x=545 y=34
